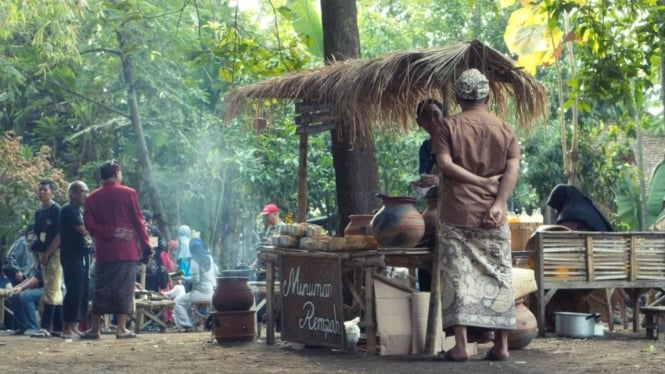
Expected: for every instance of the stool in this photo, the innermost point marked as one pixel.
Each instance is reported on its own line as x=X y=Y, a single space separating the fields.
x=154 y=311
x=200 y=313
x=654 y=320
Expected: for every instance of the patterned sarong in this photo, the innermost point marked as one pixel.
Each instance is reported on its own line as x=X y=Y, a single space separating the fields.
x=114 y=287
x=476 y=277
x=53 y=280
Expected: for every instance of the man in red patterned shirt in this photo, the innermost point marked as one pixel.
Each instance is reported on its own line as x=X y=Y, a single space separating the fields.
x=114 y=219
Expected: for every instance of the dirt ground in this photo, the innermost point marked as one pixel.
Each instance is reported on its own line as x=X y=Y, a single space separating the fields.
x=620 y=352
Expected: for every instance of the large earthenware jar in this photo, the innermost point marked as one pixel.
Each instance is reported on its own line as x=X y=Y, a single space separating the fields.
x=359 y=224
x=526 y=327
x=398 y=223
x=430 y=215
x=232 y=294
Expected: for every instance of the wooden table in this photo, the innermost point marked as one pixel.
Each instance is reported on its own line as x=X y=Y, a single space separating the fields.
x=153 y=310
x=654 y=320
x=357 y=276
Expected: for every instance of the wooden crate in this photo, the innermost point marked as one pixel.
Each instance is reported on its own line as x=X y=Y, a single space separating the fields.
x=596 y=256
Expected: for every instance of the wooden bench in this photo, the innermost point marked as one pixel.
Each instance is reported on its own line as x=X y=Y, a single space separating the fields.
x=654 y=320
x=597 y=260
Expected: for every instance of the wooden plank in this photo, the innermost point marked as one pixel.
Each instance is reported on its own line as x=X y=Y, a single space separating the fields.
x=633 y=263
x=312 y=310
x=315 y=129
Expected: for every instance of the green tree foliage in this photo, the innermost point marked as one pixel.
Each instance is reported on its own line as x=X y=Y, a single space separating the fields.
x=20 y=174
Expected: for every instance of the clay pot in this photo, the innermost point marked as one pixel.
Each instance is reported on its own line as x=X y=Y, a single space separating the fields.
x=398 y=223
x=359 y=224
x=232 y=294
x=430 y=216
x=526 y=327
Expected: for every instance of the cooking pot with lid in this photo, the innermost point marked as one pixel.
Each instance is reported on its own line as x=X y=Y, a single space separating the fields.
x=575 y=325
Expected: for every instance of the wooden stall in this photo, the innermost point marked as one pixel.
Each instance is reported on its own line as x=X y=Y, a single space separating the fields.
x=569 y=260
x=312 y=284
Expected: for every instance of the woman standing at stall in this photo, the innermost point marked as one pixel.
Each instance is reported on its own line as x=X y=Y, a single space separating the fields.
x=202 y=279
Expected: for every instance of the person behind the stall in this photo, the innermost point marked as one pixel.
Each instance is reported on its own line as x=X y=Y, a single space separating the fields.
x=429 y=113
x=478 y=157
x=272 y=224
x=575 y=210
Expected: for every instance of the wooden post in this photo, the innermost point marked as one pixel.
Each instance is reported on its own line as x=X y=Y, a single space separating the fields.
x=434 y=304
x=270 y=303
x=302 y=178
x=540 y=280
x=370 y=320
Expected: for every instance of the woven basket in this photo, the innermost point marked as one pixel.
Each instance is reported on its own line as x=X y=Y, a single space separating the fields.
x=524 y=282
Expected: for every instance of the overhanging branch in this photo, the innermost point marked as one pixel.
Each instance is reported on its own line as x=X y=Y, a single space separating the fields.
x=110 y=109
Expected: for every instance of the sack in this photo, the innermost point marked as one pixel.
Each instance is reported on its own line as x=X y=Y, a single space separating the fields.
x=39 y=246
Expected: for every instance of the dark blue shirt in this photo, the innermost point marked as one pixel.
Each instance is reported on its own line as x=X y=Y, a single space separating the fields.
x=426 y=159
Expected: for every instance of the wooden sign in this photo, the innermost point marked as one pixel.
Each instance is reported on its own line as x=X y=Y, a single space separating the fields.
x=312 y=301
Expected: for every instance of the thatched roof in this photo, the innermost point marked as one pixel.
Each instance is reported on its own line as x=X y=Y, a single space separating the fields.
x=384 y=91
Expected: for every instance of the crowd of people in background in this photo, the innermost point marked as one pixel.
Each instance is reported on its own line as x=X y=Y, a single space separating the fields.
x=75 y=263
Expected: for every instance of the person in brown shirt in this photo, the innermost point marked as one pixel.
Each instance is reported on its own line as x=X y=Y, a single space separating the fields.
x=478 y=159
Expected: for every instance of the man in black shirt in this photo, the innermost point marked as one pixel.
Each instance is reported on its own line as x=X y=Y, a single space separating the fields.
x=47 y=244
x=75 y=259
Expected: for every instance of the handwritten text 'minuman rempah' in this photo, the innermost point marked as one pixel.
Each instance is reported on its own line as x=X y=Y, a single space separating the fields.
x=294 y=287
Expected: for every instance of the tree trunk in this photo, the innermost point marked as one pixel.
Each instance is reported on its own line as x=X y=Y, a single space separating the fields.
x=141 y=146
x=354 y=158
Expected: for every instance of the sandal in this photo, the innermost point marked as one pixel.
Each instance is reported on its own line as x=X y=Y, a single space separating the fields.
x=128 y=335
x=40 y=334
x=89 y=336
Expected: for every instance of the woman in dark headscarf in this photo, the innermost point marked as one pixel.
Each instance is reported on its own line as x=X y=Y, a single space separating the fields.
x=202 y=279
x=576 y=211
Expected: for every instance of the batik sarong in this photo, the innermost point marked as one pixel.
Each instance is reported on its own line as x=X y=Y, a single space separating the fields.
x=476 y=277
x=53 y=280
x=114 y=287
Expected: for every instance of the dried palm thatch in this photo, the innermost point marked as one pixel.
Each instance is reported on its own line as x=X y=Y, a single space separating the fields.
x=384 y=91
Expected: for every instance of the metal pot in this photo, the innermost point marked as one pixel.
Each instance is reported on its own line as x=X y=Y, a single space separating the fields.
x=575 y=325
